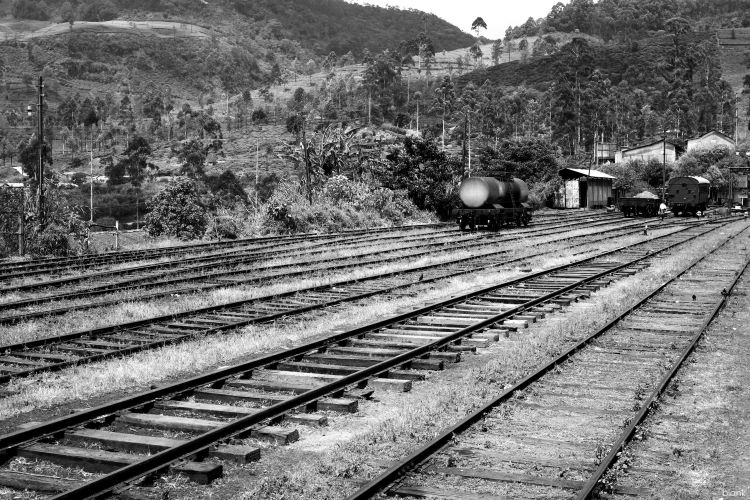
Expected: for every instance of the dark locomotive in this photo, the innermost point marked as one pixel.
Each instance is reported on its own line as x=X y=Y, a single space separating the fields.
x=688 y=195
x=492 y=203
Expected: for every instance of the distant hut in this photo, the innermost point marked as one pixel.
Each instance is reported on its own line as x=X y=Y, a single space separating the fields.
x=656 y=149
x=584 y=188
x=711 y=139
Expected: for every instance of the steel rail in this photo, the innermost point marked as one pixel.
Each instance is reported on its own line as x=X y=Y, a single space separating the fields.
x=158 y=461
x=236 y=257
x=53 y=264
x=393 y=473
x=16 y=438
x=240 y=257
x=348 y=262
x=101 y=333
x=625 y=437
x=137 y=254
x=22 y=269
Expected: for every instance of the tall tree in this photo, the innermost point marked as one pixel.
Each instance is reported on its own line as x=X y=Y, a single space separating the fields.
x=497 y=51
x=477 y=25
x=444 y=99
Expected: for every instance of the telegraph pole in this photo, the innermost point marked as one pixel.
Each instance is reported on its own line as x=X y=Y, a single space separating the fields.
x=40 y=107
x=307 y=163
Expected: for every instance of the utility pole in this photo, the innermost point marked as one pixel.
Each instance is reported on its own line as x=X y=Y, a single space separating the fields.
x=257 y=154
x=21 y=228
x=307 y=162
x=40 y=207
x=91 y=187
x=664 y=171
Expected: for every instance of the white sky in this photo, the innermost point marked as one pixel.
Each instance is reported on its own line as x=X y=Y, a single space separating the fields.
x=498 y=14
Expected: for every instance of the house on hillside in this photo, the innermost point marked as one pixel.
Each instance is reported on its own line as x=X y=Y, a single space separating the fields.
x=584 y=188
x=711 y=139
x=658 y=149
x=605 y=152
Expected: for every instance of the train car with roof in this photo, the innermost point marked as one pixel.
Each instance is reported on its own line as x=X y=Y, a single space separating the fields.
x=688 y=195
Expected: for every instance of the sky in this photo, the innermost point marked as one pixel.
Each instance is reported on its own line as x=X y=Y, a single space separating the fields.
x=498 y=14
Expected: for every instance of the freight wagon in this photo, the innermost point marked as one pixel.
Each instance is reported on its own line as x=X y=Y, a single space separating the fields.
x=688 y=195
x=645 y=206
x=492 y=203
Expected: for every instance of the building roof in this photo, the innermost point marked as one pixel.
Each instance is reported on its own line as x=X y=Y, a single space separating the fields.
x=699 y=180
x=653 y=143
x=584 y=172
x=716 y=132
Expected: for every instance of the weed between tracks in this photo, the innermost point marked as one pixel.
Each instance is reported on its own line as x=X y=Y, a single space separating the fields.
x=130 y=306
x=138 y=371
x=697 y=444
x=329 y=463
x=314 y=248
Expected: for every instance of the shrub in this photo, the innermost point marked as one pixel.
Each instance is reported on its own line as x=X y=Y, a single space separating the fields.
x=30 y=9
x=259 y=116
x=223 y=227
x=176 y=211
x=53 y=241
x=340 y=204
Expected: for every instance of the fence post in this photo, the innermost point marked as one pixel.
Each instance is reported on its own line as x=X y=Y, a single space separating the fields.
x=21 y=228
x=21 y=249
x=117 y=235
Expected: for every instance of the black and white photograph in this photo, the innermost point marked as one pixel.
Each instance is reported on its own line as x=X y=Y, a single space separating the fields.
x=374 y=249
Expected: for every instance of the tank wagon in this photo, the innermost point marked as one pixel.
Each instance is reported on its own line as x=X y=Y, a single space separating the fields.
x=687 y=195
x=492 y=203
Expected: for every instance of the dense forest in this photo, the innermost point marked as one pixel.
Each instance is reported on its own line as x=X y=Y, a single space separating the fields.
x=619 y=93
x=632 y=19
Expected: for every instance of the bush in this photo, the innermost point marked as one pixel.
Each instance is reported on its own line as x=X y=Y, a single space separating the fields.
x=30 y=9
x=259 y=116
x=341 y=204
x=53 y=241
x=176 y=211
x=223 y=227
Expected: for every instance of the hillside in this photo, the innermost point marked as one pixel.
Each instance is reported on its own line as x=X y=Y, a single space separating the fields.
x=319 y=26
x=735 y=47
x=613 y=61
x=624 y=20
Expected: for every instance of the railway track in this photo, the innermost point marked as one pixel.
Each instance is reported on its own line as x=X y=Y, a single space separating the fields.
x=91 y=345
x=558 y=432
x=223 y=413
x=238 y=258
x=14 y=269
x=56 y=265
x=205 y=277
x=228 y=258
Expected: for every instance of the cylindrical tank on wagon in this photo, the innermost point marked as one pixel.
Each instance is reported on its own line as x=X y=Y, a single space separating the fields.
x=477 y=192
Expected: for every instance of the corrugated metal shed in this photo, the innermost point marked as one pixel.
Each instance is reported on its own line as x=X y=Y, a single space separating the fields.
x=575 y=173
x=584 y=188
